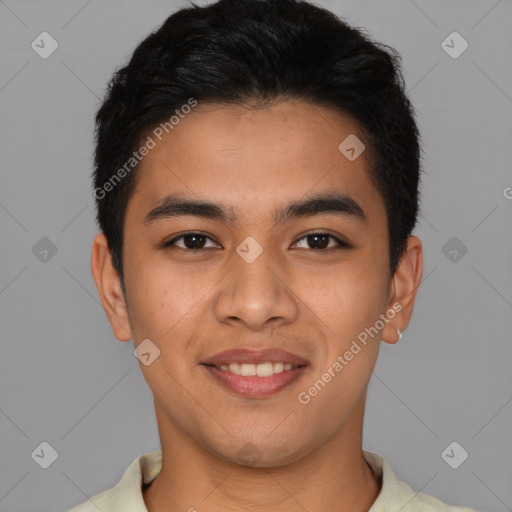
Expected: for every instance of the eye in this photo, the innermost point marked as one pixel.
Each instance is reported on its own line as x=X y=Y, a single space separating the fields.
x=320 y=241
x=192 y=241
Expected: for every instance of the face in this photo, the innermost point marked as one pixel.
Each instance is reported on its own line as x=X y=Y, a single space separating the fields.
x=263 y=266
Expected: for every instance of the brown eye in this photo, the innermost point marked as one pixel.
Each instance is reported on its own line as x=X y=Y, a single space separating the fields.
x=320 y=241
x=191 y=241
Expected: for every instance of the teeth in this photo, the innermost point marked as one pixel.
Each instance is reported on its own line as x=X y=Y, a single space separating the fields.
x=278 y=367
x=261 y=370
x=264 y=370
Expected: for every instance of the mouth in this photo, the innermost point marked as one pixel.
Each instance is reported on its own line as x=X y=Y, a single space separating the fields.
x=255 y=374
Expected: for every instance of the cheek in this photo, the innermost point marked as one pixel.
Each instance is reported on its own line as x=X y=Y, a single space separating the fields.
x=168 y=302
x=348 y=303
x=348 y=297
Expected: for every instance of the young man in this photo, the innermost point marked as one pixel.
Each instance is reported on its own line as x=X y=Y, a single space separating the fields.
x=256 y=177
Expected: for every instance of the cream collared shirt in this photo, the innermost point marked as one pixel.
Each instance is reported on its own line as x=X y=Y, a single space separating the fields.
x=126 y=496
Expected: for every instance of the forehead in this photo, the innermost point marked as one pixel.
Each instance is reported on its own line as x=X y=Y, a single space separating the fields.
x=248 y=158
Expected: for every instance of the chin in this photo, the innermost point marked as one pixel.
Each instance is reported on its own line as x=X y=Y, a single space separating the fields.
x=262 y=454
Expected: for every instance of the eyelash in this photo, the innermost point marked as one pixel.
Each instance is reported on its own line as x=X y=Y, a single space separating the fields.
x=341 y=243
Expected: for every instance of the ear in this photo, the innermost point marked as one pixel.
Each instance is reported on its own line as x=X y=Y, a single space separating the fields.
x=404 y=286
x=109 y=287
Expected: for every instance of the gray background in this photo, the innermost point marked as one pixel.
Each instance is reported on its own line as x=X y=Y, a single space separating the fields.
x=64 y=378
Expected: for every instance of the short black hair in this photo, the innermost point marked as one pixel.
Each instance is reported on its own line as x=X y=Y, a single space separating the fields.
x=251 y=52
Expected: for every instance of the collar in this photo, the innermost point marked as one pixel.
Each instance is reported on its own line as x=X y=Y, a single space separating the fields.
x=394 y=495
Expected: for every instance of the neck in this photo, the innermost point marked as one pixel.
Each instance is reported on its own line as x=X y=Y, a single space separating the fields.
x=192 y=478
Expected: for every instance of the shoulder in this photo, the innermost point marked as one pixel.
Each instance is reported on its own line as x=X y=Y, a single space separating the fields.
x=398 y=496
x=426 y=503
x=126 y=495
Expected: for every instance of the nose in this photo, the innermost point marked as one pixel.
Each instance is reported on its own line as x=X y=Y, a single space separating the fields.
x=256 y=293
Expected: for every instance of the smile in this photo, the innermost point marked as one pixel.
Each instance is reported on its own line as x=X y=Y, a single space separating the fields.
x=255 y=380
x=261 y=370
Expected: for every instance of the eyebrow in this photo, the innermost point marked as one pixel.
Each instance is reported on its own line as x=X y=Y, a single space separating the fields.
x=335 y=203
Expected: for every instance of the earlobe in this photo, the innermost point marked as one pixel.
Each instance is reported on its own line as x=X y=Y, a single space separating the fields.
x=404 y=287
x=109 y=288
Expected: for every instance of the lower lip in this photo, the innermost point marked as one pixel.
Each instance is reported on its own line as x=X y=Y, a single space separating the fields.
x=254 y=386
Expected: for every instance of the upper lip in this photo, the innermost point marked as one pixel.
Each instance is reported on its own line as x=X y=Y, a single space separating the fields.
x=252 y=356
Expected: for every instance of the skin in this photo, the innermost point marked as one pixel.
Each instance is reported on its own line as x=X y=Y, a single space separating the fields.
x=292 y=296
